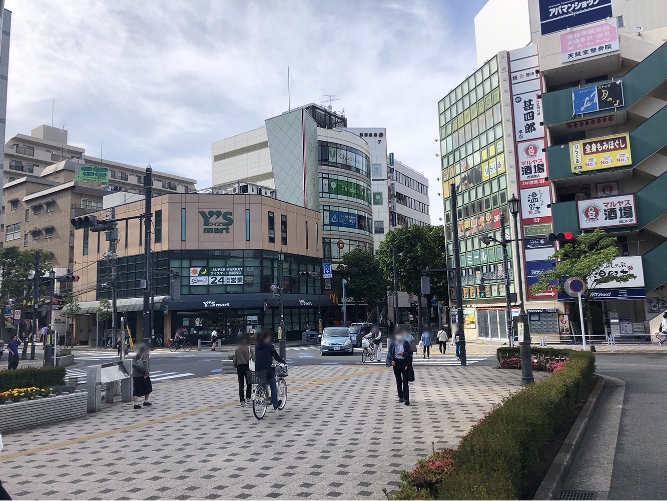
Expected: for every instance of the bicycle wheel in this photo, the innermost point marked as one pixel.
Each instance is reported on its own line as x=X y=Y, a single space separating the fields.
x=282 y=393
x=363 y=356
x=187 y=346
x=259 y=402
x=173 y=347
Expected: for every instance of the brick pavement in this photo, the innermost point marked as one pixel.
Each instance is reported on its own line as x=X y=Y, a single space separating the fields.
x=342 y=435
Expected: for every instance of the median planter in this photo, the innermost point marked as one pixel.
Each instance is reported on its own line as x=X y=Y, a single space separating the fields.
x=65 y=361
x=42 y=411
x=228 y=367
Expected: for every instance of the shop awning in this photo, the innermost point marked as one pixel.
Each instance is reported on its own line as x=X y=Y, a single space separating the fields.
x=122 y=305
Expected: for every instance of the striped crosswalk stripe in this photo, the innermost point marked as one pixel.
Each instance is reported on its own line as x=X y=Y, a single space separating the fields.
x=156 y=376
x=438 y=361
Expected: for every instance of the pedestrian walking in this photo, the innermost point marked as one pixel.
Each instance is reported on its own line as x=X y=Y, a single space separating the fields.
x=244 y=361
x=399 y=358
x=456 y=344
x=426 y=343
x=442 y=340
x=214 y=340
x=141 y=379
x=13 y=356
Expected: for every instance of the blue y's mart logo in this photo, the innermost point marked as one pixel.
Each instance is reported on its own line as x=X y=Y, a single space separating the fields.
x=212 y=223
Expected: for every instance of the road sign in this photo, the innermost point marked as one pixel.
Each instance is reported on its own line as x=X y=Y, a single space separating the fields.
x=327 y=271
x=574 y=286
x=274 y=287
x=17 y=314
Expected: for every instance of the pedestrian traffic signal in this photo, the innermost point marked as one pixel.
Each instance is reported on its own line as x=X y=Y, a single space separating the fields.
x=92 y=223
x=68 y=278
x=482 y=289
x=563 y=238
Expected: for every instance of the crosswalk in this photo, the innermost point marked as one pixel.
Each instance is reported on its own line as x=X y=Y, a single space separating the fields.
x=301 y=348
x=439 y=361
x=156 y=376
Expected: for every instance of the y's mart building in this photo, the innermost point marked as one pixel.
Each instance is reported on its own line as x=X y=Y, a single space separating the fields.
x=572 y=124
x=223 y=250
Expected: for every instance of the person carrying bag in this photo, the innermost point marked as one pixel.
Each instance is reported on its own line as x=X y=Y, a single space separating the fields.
x=399 y=358
x=244 y=361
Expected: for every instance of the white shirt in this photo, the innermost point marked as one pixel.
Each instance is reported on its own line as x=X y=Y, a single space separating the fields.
x=214 y=334
x=664 y=325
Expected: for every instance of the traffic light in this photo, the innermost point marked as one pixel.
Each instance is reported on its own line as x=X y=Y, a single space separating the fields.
x=562 y=238
x=92 y=223
x=68 y=278
x=482 y=289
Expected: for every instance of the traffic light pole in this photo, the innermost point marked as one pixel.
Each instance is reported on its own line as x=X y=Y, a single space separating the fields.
x=508 y=299
x=114 y=293
x=457 y=269
x=146 y=317
x=35 y=298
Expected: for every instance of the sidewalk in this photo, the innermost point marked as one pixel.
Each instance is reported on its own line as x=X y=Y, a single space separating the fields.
x=342 y=435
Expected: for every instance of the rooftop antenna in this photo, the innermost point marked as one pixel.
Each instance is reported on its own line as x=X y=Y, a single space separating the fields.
x=330 y=98
x=289 y=96
x=63 y=124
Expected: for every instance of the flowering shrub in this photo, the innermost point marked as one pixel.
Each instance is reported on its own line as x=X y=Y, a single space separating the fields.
x=539 y=364
x=18 y=393
x=430 y=471
x=510 y=363
x=556 y=366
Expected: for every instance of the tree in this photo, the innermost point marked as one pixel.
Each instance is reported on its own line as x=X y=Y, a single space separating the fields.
x=364 y=276
x=103 y=313
x=71 y=308
x=582 y=259
x=417 y=247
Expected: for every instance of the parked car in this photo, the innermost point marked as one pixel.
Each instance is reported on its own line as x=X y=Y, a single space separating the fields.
x=309 y=336
x=336 y=339
x=358 y=331
x=2 y=347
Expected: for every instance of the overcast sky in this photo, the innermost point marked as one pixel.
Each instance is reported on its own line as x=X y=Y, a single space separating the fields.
x=159 y=81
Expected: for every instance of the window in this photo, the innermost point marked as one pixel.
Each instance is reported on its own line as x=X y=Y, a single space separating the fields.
x=37 y=209
x=49 y=232
x=99 y=233
x=140 y=179
x=14 y=204
x=112 y=174
x=182 y=224
x=127 y=231
x=158 y=226
x=283 y=229
x=50 y=206
x=86 y=236
x=25 y=240
x=27 y=214
x=13 y=232
x=124 y=176
x=317 y=237
x=168 y=185
x=272 y=228
x=247 y=225
x=306 y=235
x=141 y=232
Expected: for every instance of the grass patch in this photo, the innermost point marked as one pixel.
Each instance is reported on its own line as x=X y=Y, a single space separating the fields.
x=492 y=459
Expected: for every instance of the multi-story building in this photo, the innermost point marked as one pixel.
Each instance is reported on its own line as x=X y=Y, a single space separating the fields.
x=309 y=158
x=409 y=190
x=6 y=23
x=224 y=250
x=570 y=125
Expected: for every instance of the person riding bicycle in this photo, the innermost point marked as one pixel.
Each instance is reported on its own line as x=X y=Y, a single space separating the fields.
x=265 y=353
x=179 y=338
x=376 y=336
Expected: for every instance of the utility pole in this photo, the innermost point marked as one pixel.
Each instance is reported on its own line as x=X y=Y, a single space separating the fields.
x=111 y=236
x=457 y=270
x=395 y=301
x=146 y=318
x=35 y=299
x=281 y=327
x=504 y=243
x=344 y=304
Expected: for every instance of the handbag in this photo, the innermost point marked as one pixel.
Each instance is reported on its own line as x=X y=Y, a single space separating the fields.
x=411 y=374
x=139 y=365
x=251 y=362
x=421 y=345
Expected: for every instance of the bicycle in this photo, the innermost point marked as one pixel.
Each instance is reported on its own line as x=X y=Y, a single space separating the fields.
x=182 y=345
x=260 y=394
x=367 y=351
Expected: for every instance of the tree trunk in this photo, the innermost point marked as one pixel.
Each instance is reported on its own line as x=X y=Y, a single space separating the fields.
x=419 y=314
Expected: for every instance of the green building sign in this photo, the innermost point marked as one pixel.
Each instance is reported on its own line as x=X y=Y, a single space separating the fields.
x=92 y=174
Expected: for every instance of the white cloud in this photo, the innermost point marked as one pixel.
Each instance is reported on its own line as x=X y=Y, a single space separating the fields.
x=158 y=81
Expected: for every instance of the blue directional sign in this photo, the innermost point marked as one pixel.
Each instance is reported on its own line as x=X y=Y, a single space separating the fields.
x=327 y=271
x=585 y=100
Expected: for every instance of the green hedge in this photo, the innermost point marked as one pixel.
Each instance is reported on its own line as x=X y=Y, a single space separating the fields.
x=43 y=377
x=492 y=458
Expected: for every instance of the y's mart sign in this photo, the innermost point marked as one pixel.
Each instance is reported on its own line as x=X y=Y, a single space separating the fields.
x=216 y=221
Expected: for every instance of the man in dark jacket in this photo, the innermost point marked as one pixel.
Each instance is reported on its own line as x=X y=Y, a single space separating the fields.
x=13 y=348
x=265 y=353
x=399 y=357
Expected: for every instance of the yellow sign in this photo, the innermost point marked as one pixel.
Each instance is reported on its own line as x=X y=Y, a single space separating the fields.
x=599 y=153
x=500 y=164
x=485 y=171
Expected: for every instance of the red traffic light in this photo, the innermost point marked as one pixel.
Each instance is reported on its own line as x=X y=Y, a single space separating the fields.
x=568 y=235
x=75 y=278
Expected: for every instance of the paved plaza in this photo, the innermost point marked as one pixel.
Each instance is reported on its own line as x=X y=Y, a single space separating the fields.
x=342 y=435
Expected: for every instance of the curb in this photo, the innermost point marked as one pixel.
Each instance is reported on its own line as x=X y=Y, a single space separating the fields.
x=553 y=481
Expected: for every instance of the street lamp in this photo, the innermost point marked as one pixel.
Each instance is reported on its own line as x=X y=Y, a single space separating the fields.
x=281 y=327
x=52 y=286
x=344 y=304
x=522 y=321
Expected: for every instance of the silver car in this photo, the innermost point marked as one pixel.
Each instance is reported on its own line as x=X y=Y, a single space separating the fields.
x=336 y=340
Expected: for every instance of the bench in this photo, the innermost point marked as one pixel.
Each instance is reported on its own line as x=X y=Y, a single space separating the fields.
x=114 y=377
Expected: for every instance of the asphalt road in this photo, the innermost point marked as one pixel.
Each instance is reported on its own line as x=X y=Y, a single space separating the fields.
x=179 y=365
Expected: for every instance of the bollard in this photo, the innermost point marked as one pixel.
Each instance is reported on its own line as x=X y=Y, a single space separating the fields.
x=94 y=387
x=198 y=344
x=32 y=351
x=126 y=383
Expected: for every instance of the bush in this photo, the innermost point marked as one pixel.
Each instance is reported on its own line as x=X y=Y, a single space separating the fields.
x=43 y=377
x=64 y=353
x=492 y=458
x=543 y=353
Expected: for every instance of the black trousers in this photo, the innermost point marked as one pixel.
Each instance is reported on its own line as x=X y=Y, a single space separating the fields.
x=12 y=361
x=443 y=346
x=427 y=351
x=401 y=375
x=242 y=374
